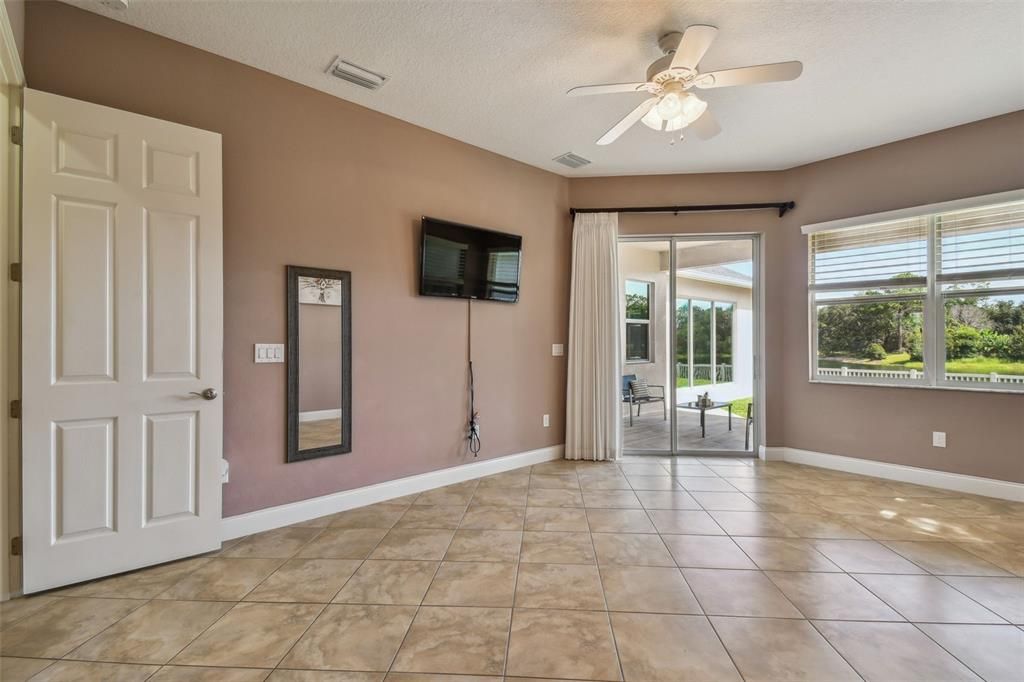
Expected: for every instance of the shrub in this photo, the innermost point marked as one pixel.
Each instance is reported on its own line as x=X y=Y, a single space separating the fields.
x=876 y=352
x=992 y=344
x=962 y=341
x=915 y=345
x=1014 y=349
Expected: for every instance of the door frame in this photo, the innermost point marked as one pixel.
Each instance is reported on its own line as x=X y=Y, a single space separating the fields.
x=12 y=81
x=757 y=305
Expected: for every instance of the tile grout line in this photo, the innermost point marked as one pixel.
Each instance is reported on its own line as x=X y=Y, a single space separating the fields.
x=323 y=609
x=205 y=630
x=512 y=610
x=412 y=621
x=941 y=646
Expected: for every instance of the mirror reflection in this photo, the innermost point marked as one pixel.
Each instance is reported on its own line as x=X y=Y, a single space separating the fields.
x=319 y=361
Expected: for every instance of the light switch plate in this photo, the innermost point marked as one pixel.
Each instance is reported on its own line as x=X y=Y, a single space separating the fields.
x=939 y=439
x=268 y=352
x=557 y=349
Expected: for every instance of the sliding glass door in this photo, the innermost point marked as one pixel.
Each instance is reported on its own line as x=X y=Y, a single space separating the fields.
x=689 y=331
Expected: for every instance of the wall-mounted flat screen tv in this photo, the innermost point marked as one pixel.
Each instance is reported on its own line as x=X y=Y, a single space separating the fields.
x=460 y=261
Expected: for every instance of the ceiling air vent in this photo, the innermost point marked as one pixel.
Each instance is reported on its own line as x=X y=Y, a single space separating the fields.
x=348 y=71
x=571 y=160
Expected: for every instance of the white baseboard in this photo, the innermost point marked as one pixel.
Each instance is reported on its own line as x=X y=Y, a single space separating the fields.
x=317 y=415
x=304 y=510
x=974 y=485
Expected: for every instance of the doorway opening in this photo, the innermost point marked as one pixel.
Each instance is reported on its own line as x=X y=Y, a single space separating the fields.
x=690 y=328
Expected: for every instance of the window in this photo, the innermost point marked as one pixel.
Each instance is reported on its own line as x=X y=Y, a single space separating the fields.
x=935 y=299
x=703 y=333
x=639 y=300
x=503 y=275
x=723 y=341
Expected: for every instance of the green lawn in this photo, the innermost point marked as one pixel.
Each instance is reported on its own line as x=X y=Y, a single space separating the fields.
x=739 y=406
x=683 y=382
x=963 y=366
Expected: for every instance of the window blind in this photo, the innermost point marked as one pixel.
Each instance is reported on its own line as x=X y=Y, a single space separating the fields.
x=980 y=243
x=886 y=254
x=503 y=274
x=445 y=257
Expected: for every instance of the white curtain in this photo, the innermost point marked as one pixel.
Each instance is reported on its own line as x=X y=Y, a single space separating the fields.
x=593 y=425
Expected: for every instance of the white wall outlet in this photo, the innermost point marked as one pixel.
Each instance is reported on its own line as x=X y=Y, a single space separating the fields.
x=547 y=420
x=939 y=439
x=557 y=349
x=268 y=352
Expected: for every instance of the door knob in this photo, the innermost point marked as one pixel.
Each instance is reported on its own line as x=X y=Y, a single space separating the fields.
x=206 y=394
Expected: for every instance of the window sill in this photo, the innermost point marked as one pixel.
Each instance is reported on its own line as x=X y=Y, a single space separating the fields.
x=943 y=387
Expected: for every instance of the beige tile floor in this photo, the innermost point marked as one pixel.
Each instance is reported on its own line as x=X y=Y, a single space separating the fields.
x=643 y=570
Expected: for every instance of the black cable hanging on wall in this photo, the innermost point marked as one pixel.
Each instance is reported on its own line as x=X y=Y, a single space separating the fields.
x=474 y=426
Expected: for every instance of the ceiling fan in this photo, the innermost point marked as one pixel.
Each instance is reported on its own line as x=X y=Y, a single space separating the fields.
x=671 y=105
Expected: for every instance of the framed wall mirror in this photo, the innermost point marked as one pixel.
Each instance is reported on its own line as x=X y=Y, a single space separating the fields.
x=319 y=352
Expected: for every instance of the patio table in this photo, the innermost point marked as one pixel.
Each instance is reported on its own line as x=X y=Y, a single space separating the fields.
x=713 y=405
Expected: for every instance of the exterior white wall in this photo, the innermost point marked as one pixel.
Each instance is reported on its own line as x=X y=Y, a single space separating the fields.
x=637 y=262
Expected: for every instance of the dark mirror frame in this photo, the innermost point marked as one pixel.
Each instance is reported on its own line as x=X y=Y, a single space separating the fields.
x=293 y=272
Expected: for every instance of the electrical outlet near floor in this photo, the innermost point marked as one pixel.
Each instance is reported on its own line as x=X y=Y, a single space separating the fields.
x=939 y=439
x=547 y=420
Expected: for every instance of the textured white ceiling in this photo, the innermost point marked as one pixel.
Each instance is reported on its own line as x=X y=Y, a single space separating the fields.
x=494 y=73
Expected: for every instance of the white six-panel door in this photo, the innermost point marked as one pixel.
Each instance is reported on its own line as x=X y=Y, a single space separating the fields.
x=122 y=323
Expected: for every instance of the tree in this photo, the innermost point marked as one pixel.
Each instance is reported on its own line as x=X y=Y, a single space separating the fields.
x=637 y=306
x=1005 y=317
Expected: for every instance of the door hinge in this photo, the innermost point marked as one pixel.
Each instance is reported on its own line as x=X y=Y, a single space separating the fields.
x=16 y=546
x=15 y=272
x=15 y=409
x=16 y=135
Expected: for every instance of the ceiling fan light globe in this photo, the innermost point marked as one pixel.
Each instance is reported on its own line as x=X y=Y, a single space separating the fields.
x=653 y=120
x=692 y=107
x=670 y=106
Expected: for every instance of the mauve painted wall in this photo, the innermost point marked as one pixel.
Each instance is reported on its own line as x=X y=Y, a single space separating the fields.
x=312 y=180
x=985 y=431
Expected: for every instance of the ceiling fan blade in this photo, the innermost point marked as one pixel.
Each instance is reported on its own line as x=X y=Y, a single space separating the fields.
x=695 y=42
x=749 y=75
x=705 y=127
x=626 y=123
x=609 y=89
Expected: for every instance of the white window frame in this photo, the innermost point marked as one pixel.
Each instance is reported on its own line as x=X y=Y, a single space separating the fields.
x=933 y=308
x=628 y=321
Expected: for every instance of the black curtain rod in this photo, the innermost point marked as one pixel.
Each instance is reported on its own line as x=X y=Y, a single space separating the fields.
x=780 y=206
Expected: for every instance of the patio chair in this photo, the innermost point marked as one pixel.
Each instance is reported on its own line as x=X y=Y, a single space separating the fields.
x=638 y=398
x=746 y=429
